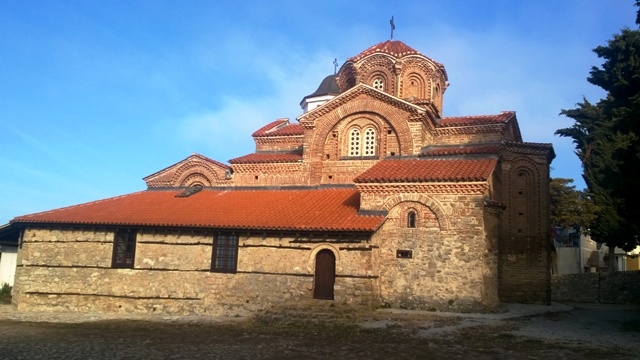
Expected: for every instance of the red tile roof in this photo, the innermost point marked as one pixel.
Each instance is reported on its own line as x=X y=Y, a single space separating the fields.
x=260 y=158
x=501 y=118
x=394 y=48
x=280 y=127
x=428 y=170
x=308 y=209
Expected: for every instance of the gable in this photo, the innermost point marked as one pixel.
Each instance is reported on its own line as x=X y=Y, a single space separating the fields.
x=388 y=114
x=194 y=170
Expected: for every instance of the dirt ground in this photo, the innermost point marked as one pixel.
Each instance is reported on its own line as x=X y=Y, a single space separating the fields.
x=579 y=332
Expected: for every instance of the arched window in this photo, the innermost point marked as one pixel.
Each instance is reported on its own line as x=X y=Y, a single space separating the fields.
x=369 y=142
x=411 y=219
x=378 y=83
x=354 y=142
x=361 y=142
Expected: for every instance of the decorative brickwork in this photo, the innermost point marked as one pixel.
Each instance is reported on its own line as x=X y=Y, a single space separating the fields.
x=194 y=170
x=269 y=174
x=524 y=244
x=372 y=198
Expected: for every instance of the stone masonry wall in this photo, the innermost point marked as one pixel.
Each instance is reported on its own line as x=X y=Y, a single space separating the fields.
x=450 y=267
x=70 y=270
x=617 y=288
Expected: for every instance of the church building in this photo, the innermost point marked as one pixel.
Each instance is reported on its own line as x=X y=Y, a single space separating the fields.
x=372 y=197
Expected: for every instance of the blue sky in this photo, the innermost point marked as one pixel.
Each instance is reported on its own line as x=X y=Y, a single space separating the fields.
x=96 y=95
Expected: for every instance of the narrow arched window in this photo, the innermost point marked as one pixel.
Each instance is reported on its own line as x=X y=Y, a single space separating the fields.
x=411 y=219
x=370 y=142
x=354 y=142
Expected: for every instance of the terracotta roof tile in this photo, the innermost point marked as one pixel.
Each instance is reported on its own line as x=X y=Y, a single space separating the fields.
x=394 y=48
x=428 y=170
x=308 y=209
x=289 y=130
x=501 y=118
x=280 y=127
x=261 y=158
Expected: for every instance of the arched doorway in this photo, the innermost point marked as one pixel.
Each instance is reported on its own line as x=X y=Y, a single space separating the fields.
x=325 y=275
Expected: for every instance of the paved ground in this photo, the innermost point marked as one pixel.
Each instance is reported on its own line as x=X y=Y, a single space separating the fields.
x=521 y=332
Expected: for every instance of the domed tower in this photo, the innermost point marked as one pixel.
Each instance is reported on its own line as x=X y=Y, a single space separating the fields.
x=327 y=90
x=398 y=70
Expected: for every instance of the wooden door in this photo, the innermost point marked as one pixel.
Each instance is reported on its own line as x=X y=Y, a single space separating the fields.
x=325 y=275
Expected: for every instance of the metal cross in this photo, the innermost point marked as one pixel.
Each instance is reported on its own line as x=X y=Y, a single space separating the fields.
x=393 y=27
x=335 y=66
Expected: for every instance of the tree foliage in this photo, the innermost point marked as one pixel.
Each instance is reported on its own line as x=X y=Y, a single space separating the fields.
x=570 y=208
x=607 y=140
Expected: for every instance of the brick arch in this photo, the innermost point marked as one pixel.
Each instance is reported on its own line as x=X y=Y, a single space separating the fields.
x=196 y=179
x=395 y=117
x=420 y=90
x=361 y=122
x=432 y=204
x=201 y=170
x=437 y=89
x=404 y=220
x=378 y=65
x=346 y=78
x=525 y=164
x=527 y=173
x=380 y=74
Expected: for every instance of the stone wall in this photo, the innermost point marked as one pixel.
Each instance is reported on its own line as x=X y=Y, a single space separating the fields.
x=449 y=266
x=443 y=263
x=70 y=270
x=618 y=288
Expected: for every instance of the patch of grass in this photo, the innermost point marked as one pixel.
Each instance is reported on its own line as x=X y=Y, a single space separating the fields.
x=5 y=294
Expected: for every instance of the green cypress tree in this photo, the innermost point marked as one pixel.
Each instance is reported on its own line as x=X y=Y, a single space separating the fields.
x=607 y=140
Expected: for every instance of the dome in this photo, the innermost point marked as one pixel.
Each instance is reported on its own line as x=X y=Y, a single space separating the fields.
x=328 y=86
x=397 y=69
x=396 y=49
x=327 y=90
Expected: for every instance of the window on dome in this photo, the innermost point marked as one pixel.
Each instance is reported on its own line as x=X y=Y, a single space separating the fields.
x=354 y=142
x=378 y=83
x=124 y=248
x=224 y=255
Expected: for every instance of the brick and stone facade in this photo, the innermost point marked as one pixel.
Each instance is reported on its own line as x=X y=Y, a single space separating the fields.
x=371 y=198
